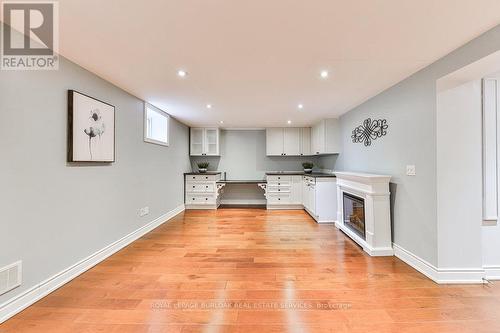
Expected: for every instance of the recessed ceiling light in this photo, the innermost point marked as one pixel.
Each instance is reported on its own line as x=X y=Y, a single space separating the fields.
x=209 y=106
x=182 y=73
x=324 y=74
x=221 y=122
x=289 y=122
x=300 y=106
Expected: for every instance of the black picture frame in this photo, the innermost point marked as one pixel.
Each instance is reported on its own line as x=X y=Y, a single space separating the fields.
x=73 y=109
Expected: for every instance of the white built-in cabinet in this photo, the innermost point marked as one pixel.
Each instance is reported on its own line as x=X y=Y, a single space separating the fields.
x=204 y=142
x=284 y=192
x=305 y=141
x=319 y=198
x=202 y=191
x=288 y=141
x=274 y=141
x=291 y=141
x=325 y=137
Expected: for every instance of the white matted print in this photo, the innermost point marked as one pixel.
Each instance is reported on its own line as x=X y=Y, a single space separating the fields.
x=91 y=129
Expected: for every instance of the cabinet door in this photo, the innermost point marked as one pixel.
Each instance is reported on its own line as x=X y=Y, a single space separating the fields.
x=318 y=138
x=296 y=190
x=274 y=142
x=332 y=136
x=312 y=199
x=304 y=193
x=291 y=141
x=197 y=135
x=305 y=141
x=211 y=141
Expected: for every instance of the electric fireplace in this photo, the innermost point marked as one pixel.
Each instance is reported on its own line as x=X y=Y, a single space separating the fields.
x=354 y=214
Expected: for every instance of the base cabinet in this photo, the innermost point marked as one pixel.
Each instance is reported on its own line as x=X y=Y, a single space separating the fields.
x=284 y=192
x=202 y=192
x=319 y=198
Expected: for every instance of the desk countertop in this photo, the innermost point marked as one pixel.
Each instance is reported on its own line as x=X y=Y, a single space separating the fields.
x=242 y=181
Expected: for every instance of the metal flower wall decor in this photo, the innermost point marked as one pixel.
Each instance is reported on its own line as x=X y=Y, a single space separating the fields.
x=369 y=131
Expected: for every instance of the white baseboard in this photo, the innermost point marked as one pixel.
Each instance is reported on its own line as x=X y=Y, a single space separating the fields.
x=243 y=202
x=27 y=298
x=284 y=207
x=492 y=272
x=440 y=275
x=372 y=251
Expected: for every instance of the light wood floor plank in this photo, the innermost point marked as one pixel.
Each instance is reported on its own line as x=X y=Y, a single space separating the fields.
x=252 y=270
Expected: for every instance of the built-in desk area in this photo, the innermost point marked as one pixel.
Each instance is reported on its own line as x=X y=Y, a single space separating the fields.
x=314 y=192
x=237 y=193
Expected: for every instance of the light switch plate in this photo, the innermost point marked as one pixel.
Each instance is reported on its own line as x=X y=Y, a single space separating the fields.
x=411 y=170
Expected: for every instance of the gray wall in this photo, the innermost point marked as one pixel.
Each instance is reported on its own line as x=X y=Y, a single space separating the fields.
x=410 y=108
x=243 y=156
x=54 y=214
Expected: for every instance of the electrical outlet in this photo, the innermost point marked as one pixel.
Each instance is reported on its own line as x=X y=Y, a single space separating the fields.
x=143 y=211
x=411 y=170
x=10 y=277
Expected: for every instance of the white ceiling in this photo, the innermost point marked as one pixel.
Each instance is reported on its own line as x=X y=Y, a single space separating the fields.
x=254 y=61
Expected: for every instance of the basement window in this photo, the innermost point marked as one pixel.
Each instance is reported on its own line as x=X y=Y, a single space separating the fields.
x=156 y=125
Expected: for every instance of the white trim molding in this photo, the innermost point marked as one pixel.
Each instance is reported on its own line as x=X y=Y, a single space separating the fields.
x=30 y=296
x=440 y=275
x=374 y=191
x=492 y=272
x=490 y=149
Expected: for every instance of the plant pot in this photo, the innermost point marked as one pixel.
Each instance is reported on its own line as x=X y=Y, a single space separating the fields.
x=308 y=170
x=202 y=170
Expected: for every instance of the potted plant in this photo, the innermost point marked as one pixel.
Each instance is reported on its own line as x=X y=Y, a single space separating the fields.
x=203 y=166
x=308 y=167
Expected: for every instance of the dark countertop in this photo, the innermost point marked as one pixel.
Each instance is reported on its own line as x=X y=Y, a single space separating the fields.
x=300 y=173
x=285 y=173
x=204 y=173
x=242 y=181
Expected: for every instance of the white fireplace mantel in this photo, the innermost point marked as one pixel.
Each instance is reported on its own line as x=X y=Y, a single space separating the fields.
x=374 y=190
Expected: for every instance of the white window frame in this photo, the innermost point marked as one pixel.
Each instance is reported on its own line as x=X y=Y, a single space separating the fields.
x=167 y=116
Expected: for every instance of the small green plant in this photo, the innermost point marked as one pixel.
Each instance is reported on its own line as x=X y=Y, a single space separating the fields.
x=307 y=165
x=203 y=165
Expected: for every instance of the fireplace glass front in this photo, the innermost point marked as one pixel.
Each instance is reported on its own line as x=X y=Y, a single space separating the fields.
x=354 y=214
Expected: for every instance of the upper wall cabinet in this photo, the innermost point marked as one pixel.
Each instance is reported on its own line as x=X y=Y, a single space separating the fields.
x=204 y=142
x=325 y=137
x=305 y=141
x=288 y=141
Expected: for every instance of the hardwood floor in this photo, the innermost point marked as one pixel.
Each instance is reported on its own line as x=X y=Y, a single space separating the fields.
x=252 y=270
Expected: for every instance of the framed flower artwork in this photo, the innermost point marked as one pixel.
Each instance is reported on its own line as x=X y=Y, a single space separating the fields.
x=91 y=129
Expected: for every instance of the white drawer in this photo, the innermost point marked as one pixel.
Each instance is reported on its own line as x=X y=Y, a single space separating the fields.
x=199 y=178
x=278 y=189
x=200 y=200
x=200 y=187
x=279 y=179
x=280 y=183
x=278 y=198
x=310 y=180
